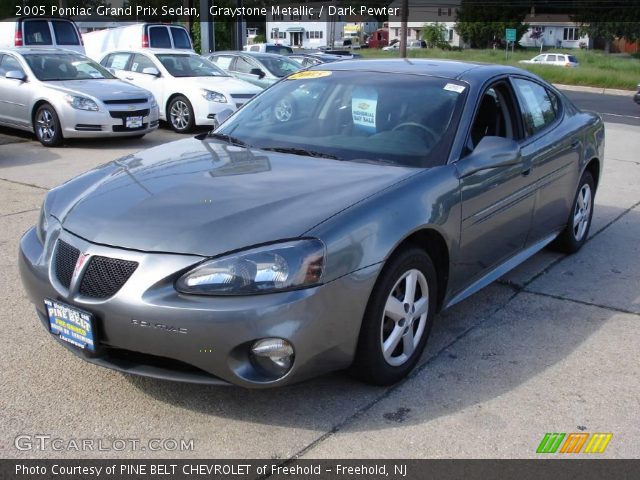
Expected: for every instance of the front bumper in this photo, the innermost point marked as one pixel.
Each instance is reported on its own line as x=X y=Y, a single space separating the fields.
x=322 y=323
x=107 y=123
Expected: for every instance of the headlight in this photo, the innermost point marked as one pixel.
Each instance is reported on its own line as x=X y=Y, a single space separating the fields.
x=272 y=268
x=214 y=96
x=43 y=224
x=81 y=103
x=152 y=101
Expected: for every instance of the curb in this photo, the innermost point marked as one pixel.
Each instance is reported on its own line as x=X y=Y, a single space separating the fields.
x=603 y=91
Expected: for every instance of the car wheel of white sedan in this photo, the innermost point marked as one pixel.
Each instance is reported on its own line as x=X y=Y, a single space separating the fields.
x=398 y=319
x=181 y=116
x=46 y=126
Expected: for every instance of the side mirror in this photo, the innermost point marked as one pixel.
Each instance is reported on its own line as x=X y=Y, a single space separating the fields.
x=257 y=72
x=221 y=117
x=491 y=152
x=151 y=71
x=15 y=75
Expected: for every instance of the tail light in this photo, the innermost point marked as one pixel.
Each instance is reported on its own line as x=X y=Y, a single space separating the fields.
x=145 y=40
x=18 y=38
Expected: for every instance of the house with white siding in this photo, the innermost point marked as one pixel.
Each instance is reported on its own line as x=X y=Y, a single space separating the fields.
x=553 y=30
x=427 y=12
x=315 y=30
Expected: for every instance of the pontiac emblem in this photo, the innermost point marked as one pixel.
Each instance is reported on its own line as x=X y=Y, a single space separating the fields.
x=79 y=263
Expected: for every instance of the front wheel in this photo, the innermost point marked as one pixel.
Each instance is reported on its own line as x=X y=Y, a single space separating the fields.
x=181 y=116
x=46 y=125
x=397 y=319
x=576 y=232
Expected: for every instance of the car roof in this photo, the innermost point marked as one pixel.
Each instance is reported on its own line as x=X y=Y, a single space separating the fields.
x=466 y=71
x=251 y=54
x=29 y=50
x=176 y=51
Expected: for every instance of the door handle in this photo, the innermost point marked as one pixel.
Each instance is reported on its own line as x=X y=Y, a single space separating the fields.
x=526 y=172
x=575 y=142
x=129 y=78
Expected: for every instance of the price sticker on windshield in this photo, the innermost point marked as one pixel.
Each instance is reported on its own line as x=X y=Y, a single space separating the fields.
x=309 y=74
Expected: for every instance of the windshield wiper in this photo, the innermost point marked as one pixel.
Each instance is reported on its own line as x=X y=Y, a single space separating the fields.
x=300 y=151
x=223 y=136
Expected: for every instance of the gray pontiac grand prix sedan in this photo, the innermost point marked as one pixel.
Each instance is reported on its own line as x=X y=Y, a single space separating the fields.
x=279 y=247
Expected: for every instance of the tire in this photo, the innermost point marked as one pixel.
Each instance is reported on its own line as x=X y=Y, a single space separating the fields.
x=180 y=114
x=46 y=126
x=391 y=315
x=575 y=234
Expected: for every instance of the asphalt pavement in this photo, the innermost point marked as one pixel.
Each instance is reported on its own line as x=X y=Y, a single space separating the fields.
x=551 y=347
x=613 y=108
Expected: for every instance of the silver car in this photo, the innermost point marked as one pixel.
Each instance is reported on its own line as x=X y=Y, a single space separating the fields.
x=274 y=249
x=60 y=94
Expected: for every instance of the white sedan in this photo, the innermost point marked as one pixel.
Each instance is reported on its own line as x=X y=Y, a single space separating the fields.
x=59 y=94
x=557 y=59
x=189 y=89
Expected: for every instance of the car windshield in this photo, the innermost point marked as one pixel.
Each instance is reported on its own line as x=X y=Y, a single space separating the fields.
x=398 y=119
x=189 y=66
x=57 y=67
x=279 y=66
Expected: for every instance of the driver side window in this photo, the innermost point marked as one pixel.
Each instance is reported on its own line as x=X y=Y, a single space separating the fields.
x=495 y=116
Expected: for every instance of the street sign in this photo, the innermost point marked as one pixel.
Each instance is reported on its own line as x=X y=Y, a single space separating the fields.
x=510 y=33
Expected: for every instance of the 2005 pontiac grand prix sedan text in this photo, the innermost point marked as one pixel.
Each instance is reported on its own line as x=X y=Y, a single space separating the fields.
x=283 y=246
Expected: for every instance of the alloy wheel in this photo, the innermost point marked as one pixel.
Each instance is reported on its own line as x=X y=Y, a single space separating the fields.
x=46 y=125
x=404 y=317
x=582 y=212
x=180 y=115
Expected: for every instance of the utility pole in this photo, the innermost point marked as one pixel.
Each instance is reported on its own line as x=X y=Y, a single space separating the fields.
x=404 y=16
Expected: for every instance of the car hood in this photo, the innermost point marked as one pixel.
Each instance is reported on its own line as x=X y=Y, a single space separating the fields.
x=226 y=84
x=207 y=198
x=101 y=89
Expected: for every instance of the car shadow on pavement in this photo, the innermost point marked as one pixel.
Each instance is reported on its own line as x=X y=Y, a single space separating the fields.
x=479 y=350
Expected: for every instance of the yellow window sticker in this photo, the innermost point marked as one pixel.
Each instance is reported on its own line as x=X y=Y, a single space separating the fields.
x=309 y=74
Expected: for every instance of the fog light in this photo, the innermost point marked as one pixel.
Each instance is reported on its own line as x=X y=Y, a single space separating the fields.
x=273 y=355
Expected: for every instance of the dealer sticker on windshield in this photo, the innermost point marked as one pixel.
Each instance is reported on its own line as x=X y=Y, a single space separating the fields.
x=309 y=74
x=452 y=87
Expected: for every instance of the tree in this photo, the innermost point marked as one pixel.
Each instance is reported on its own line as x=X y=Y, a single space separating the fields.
x=483 y=25
x=620 y=20
x=434 y=35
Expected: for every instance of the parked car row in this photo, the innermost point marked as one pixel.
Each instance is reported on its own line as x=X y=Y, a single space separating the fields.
x=136 y=76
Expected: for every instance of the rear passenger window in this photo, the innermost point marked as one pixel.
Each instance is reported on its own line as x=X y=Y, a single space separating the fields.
x=538 y=110
x=159 y=37
x=551 y=58
x=117 y=61
x=140 y=62
x=36 y=32
x=180 y=38
x=223 y=62
x=65 y=33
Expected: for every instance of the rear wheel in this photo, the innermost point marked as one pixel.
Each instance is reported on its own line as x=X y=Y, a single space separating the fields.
x=180 y=114
x=397 y=319
x=576 y=232
x=46 y=126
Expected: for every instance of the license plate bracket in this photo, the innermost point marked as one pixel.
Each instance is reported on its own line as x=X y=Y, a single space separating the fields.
x=71 y=324
x=133 y=122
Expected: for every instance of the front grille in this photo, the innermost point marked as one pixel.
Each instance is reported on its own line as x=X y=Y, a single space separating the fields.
x=129 y=113
x=125 y=101
x=105 y=276
x=65 y=262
